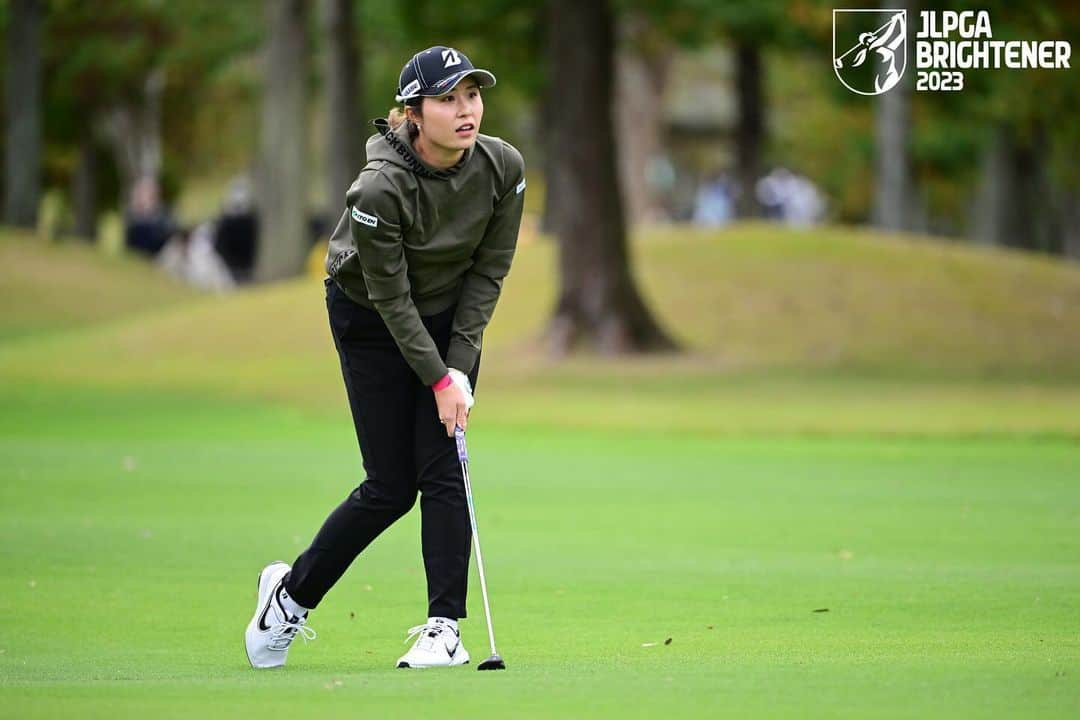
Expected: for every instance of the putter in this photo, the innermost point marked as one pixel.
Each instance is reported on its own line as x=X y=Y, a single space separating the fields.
x=494 y=662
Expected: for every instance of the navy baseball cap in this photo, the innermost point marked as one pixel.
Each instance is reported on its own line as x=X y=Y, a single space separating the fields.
x=436 y=71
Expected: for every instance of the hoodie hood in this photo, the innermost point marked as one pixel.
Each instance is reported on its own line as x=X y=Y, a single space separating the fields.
x=394 y=146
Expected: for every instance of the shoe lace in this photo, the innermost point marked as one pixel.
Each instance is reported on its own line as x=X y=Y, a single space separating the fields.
x=427 y=630
x=285 y=632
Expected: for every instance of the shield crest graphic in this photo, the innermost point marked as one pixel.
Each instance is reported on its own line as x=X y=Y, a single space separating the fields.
x=869 y=49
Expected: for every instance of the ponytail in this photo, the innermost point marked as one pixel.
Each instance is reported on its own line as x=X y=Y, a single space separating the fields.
x=397 y=116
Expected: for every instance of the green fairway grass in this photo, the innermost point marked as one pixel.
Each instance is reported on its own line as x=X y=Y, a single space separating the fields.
x=133 y=528
x=855 y=494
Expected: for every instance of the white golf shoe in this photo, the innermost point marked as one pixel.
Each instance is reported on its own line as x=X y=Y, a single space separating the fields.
x=272 y=629
x=438 y=645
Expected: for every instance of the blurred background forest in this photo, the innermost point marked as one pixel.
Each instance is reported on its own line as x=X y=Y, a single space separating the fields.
x=232 y=130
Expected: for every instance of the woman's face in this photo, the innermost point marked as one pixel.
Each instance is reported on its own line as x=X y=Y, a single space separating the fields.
x=452 y=121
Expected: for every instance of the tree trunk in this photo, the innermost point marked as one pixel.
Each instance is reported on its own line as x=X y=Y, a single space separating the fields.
x=23 y=99
x=995 y=208
x=120 y=131
x=84 y=188
x=642 y=65
x=283 y=144
x=1014 y=203
x=1035 y=216
x=550 y=106
x=598 y=299
x=150 y=158
x=344 y=89
x=750 y=126
x=893 y=192
x=133 y=131
x=1069 y=223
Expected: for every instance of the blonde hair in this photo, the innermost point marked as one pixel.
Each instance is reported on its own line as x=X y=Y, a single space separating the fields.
x=397 y=116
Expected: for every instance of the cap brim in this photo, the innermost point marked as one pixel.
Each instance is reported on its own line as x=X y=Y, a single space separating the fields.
x=483 y=79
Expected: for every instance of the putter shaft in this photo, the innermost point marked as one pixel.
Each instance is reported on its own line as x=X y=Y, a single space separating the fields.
x=463 y=456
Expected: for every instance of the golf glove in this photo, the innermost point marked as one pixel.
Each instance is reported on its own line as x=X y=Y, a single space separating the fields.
x=459 y=379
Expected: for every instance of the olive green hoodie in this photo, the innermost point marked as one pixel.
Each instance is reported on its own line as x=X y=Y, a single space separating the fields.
x=415 y=240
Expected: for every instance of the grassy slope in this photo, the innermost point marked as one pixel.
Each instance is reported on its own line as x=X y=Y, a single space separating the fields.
x=824 y=331
x=756 y=296
x=47 y=287
x=746 y=298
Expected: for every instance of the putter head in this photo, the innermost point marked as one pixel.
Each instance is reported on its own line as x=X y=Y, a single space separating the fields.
x=492 y=663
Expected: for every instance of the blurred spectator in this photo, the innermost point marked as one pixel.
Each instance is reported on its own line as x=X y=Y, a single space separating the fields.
x=191 y=257
x=790 y=198
x=236 y=232
x=319 y=225
x=714 y=205
x=147 y=223
x=804 y=205
x=660 y=180
x=771 y=192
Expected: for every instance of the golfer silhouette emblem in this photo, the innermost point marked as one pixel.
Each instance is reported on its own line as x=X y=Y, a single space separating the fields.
x=869 y=61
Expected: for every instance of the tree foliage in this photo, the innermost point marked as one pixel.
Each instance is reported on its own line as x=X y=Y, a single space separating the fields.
x=99 y=55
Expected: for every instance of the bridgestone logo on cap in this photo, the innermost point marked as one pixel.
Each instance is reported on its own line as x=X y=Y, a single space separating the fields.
x=363 y=217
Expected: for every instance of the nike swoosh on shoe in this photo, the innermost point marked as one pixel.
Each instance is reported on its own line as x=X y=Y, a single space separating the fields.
x=263 y=627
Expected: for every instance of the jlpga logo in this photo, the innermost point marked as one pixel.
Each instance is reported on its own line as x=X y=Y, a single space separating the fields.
x=869 y=49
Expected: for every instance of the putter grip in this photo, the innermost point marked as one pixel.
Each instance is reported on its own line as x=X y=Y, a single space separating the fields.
x=462 y=453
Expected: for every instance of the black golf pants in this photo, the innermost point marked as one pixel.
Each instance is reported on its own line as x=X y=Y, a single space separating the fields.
x=405 y=451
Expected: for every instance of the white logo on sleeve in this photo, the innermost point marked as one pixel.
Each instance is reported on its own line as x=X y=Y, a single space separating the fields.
x=520 y=187
x=364 y=218
x=450 y=58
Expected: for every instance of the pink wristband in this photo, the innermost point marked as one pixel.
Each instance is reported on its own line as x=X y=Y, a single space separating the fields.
x=443 y=384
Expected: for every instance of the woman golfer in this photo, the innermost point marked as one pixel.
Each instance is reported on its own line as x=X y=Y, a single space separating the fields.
x=415 y=267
